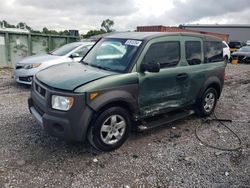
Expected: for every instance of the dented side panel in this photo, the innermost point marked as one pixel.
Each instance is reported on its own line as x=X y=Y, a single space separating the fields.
x=162 y=91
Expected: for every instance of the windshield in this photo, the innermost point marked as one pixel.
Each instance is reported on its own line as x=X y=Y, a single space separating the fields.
x=65 y=49
x=112 y=54
x=244 y=49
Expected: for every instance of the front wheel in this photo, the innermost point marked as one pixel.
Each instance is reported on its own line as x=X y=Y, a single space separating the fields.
x=110 y=129
x=207 y=103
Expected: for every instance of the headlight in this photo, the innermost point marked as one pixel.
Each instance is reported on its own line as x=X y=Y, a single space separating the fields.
x=61 y=102
x=31 y=66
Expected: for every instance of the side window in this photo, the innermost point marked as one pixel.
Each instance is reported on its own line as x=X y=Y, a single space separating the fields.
x=193 y=52
x=165 y=53
x=82 y=51
x=214 y=51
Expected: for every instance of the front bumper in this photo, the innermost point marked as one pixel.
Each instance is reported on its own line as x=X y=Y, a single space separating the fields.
x=24 y=76
x=70 y=125
x=241 y=58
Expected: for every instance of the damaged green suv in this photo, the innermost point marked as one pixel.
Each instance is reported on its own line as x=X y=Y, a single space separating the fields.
x=129 y=80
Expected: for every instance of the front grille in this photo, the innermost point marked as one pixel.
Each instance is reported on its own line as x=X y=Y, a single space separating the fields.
x=242 y=59
x=40 y=90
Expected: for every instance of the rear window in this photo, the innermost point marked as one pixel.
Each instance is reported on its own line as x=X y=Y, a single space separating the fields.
x=165 y=53
x=193 y=52
x=214 y=51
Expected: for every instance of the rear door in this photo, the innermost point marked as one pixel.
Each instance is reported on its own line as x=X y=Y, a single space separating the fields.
x=205 y=64
x=195 y=68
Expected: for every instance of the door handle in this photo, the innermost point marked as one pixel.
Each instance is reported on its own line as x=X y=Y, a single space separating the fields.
x=182 y=76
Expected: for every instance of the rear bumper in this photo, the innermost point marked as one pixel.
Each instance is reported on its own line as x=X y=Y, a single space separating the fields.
x=71 y=125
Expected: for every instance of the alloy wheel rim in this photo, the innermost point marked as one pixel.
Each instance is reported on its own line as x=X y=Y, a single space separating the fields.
x=209 y=102
x=113 y=129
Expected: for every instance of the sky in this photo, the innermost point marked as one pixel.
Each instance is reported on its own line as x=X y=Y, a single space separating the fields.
x=85 y=15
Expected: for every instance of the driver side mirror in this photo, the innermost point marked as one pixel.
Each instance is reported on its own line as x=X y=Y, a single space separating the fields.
x=150 y=67
x=74 y=55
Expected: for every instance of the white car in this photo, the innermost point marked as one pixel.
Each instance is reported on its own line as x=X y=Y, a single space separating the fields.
x=248 y=43
x=226 y=51
x=29 y=66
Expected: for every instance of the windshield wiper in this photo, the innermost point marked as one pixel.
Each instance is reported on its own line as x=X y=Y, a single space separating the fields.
x=100 y=67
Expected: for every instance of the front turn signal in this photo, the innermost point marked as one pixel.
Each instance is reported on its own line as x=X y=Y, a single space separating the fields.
x=93 y=95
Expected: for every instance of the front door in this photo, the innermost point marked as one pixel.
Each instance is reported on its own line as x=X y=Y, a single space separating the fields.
x=166 y=90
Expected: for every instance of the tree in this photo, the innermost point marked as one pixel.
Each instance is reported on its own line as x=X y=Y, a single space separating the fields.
x=65 y=32
x=107 y=24
x=45 y=30
x=23 y=25
x=7 y=25
x=94 y=32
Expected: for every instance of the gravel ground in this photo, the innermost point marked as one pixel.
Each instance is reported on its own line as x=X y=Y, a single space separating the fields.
x=170 y=156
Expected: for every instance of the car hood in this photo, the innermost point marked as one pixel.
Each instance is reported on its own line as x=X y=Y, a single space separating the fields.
x=68 y=76
x=38 y=59
x=241 y=54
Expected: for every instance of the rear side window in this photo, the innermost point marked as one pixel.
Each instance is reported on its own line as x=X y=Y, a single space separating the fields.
x=193 y=52
x=165 y=53
x=214 y=51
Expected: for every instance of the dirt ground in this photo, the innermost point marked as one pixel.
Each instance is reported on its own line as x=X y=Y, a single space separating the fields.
x=170 y=156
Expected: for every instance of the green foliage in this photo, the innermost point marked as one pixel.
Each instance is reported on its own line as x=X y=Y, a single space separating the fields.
x=45 y=30
x=94 y=32
x=107 y=24
x=54 y=32
x=6 y=24
x=106 y=28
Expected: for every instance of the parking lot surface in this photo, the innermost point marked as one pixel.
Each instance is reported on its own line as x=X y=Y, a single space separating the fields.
x=169 y=156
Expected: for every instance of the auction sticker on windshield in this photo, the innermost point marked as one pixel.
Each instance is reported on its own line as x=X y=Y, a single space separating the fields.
x=133 y=42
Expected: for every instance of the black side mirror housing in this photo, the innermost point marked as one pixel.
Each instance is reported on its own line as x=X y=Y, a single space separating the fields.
x=150 y=67
x=74 y=55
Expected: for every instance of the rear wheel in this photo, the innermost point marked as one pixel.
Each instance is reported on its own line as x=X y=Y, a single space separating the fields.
x=207 y=103
x=226 y=59
x=110 y=129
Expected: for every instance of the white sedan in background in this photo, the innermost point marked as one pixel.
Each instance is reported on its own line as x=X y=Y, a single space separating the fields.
x=29 y=66
x=226 y=51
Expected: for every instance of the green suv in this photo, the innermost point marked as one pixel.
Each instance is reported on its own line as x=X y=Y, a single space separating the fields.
x=129 y=80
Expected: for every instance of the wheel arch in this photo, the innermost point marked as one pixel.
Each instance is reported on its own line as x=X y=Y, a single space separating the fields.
x=120 y=98
x=216 y=86
x=213 y=82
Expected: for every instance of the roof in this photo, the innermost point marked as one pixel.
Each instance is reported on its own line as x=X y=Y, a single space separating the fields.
x=151 y=35
x=217 y=25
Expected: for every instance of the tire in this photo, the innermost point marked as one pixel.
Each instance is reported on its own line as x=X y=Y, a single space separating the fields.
x=110 y=129
x=206 y=104
x=226 y=59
